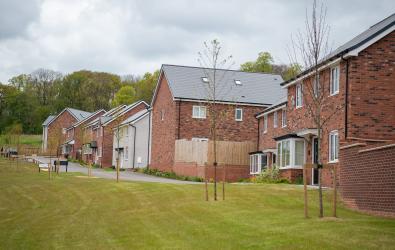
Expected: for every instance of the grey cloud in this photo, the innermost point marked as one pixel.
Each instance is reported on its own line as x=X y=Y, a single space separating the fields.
x=15 y=17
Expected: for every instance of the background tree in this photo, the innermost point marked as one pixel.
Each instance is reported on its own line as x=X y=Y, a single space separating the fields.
x=125 y=95
x=265 y=64
x=310 y=48
x=211 y=59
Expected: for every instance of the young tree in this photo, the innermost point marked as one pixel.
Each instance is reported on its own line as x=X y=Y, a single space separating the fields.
x=310 y=48
x=211 y=60
x=125 y=95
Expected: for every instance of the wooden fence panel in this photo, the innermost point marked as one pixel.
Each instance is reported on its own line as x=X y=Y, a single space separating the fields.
x=228 y=152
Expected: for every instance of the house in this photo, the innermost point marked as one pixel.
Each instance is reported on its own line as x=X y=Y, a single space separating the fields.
x=131 y=143
x=358 y=82
x=180 y=111
x=72 y=146
x=55 y=126
x=98 y=134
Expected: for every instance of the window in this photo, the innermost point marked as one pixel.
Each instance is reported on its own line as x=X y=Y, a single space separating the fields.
x=99 y=151
x=199 y=112
x=238 y=114
x=299 y=98
x=63 y=130
x=291 y=153
x=162 y=115
x=126 y=154
x=264 y=123
x=275 y=119
x=316 y=87
x=199 y=139
x=258 y=162
x=238 y=82
x=97 y=132
x=335 y=76
x=284 y=118
x=205 y=79
x=333 y=146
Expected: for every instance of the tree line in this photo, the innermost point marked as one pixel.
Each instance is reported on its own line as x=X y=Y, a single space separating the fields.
x=28 y=99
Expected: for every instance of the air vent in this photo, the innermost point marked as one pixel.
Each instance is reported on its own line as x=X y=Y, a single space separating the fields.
x=238 y=82
x=205 y=79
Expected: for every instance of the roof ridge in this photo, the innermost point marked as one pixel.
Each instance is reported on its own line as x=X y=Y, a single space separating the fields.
x=233 y=70
x=393 y=14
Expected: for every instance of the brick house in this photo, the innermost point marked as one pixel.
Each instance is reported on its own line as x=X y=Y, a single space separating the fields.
x=55 y=127
x=72 y=145
x=98 y=134
x=179 y=111
x=359 y=78
x=131 y=143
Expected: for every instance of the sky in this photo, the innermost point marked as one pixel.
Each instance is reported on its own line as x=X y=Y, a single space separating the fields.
x=137 y=36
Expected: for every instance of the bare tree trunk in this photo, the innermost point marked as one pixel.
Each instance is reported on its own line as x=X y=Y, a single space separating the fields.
x=321 y=206
x=334 y=192
x=206 y=188
x=306 y=213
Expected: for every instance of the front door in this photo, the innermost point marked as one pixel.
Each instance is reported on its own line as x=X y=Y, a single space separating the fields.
x=314 y=171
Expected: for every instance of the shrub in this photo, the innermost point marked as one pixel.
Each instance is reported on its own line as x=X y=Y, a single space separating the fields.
x=169 y=175
x=299 y=180
x=269 y=175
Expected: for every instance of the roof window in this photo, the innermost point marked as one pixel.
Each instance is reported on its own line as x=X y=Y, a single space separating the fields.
x=238 y=82
x=205 y=79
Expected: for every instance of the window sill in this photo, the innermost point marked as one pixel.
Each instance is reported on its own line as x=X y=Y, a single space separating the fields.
x=336 y=93
x=333 y=162
x=291 y=167
x=298 y=107
x=198 y=117
x=238 y=120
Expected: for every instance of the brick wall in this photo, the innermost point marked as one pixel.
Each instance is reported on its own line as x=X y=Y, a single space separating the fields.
x=372 y=91
x=367 y=178
x=55 y=130
x=164 y=122
x=228 y=128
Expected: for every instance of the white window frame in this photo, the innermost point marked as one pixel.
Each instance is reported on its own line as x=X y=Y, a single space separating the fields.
x=265 y=124
x=333 y=148
x=334 y=82
x=162 y=115
x=275 y=120
x=199 y=139
x=99 y=152
x=241 y=114
x=256 y=163
x=64 y=131
x=292 y=153
x=299 y=95
x=197 y=112
x=283 y=118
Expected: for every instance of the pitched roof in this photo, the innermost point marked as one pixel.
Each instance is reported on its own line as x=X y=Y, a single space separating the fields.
x=358 y=41
x=123 y=111
x=275 y=106
x=186 y=82
x=48 y=120
x=79 y=114
x=135 y=117
x=87 y=118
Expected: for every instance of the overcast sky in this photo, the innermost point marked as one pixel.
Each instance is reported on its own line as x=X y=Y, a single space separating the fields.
x=136 y=36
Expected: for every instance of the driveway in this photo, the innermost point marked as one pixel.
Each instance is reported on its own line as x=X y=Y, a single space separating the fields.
x=124 y=175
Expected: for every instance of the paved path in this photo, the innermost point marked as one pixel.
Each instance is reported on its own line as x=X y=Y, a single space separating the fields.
x=124 y=175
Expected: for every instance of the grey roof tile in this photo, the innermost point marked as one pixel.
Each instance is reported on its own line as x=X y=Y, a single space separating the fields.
x=185 y=82
x=48 y=120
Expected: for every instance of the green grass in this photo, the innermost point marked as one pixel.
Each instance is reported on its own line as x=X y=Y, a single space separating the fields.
x=31 y=140
x=73 y=212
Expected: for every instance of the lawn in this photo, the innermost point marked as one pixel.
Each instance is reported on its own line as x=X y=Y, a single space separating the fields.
x=31 y=140
x=73 y=211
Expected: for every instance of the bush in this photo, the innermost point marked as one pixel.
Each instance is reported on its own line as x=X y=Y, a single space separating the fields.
x=169 y=175
x=299 y=180
x=269 y=175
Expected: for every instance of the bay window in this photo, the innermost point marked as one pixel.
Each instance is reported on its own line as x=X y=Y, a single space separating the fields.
x=258 y=162
x=291 y=153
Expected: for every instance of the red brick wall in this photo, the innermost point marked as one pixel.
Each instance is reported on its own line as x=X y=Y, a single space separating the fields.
x=266 y=139
x=55 y=135
x=232 y=173
x=367 y=179
x=372 y=91
x=163 y=131
x=228 y=128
